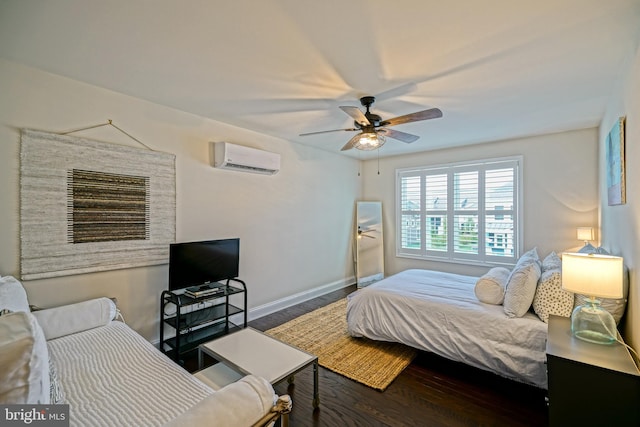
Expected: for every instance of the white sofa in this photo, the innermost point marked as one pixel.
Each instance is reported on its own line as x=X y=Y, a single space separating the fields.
x=111 y=376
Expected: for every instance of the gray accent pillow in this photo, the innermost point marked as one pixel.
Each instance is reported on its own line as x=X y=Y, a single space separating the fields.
x=551 y=262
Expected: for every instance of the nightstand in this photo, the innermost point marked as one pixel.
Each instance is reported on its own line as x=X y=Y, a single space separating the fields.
x=590 y=384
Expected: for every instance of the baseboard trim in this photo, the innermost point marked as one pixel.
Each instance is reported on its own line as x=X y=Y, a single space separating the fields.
x=286 y=302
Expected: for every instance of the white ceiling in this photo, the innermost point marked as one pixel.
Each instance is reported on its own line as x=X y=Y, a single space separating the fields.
x=496 y=68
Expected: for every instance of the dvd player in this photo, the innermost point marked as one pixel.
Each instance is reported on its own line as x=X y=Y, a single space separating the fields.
x=202 y=291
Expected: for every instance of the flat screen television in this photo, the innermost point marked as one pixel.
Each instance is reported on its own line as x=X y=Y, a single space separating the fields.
x=200 y=263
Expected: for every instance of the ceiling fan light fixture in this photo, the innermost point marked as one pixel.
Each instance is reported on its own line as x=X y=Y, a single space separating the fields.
x=370 y=141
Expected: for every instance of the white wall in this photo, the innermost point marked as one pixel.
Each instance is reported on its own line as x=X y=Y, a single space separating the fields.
x=621 y=224
x=560 y=190
x=294 y=227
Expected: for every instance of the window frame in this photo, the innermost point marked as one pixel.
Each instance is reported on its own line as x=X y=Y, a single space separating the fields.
x=482 y=258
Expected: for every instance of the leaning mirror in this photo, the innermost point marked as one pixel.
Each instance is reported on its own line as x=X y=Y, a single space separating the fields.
x=369 y=248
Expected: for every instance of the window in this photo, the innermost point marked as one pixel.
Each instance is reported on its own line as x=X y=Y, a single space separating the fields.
x=464 y=212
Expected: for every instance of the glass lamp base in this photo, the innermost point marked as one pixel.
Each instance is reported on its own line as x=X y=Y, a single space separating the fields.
x=591 y=323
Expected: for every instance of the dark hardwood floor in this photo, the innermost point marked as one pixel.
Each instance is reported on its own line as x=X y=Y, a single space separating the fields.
x=432 y=391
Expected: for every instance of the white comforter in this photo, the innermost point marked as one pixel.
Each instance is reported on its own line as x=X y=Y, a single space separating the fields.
x=439 y=312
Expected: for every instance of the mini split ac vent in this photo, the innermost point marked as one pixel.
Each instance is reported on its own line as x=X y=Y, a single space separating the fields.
x=245 y=159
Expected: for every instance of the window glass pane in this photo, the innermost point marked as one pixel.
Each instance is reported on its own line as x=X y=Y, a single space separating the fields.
x=465 y=234
x=436 y=192
x=436 y=238
x=410 y=237
x=499 y=189
x=465 y=190
x=410 y=193
x=499 y=234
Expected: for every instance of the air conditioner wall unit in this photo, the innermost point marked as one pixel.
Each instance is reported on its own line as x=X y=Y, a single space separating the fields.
x=245 y=159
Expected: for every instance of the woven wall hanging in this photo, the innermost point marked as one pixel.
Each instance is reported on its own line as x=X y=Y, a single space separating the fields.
x=89 y=206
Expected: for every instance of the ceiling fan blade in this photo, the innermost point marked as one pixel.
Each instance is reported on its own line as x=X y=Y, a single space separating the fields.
x=432 y=113
x=357 y=115
x=400 y=136
x=349 y=145
x=327 y=131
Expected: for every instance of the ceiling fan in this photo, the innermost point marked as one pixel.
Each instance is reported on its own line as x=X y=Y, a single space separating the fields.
x=373 y=129
x=365 y=233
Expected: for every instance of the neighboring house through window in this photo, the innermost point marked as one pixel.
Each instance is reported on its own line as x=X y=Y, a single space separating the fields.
x=464 y=212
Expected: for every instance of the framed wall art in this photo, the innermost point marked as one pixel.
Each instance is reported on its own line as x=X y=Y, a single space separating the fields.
x=616 y=192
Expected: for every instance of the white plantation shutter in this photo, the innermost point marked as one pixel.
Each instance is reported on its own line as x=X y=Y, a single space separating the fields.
x=436 y=194
x=411 y=206
x=500 y=211
x=461 y=212
x=465 y=212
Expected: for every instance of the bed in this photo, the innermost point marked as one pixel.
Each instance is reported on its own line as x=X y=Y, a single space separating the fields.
x=440 y=313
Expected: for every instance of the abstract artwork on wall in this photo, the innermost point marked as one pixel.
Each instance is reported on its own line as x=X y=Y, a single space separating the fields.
x=89 y=206
x=616 y=192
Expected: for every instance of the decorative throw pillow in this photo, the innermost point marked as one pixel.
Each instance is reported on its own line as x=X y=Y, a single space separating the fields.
x=69 y=319
x=24 y=358
x=12 y=295
x=521 y=289
x=490 y=287
x=551 y=262
x=550 y=298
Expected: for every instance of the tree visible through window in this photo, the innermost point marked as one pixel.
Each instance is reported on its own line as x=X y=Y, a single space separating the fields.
x=462 y=212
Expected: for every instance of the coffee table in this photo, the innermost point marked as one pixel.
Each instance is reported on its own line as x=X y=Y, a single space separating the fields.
x=249 y=351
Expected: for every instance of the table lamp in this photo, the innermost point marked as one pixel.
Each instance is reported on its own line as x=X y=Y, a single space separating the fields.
x=593 y=275
x=585 y=234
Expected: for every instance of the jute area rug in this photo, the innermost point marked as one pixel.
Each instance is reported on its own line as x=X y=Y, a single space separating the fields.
x=323 y=332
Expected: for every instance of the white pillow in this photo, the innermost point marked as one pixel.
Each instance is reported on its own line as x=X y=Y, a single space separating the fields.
x=521 y=288
x=490 y=287
x=241 y=403
x=12 y=295
x=70 y=319
x=550 y=298
x=24 y=358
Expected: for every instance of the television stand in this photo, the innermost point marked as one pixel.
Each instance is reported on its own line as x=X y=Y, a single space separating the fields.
x=187 y=321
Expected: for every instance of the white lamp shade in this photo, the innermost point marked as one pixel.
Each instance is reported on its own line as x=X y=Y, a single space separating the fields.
x=585 y=233
x=592 y=275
